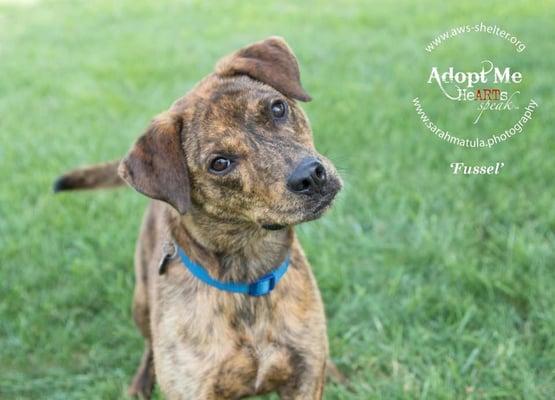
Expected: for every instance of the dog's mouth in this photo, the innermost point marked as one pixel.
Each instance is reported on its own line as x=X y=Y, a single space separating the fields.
x=307 y=213
x=321 y=206
x=273 y=227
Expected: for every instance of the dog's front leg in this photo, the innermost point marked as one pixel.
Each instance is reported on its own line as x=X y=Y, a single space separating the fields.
x=143 y=382
x=308 y=386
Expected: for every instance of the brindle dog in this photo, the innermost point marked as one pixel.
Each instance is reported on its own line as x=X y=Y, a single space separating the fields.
x=234 y=165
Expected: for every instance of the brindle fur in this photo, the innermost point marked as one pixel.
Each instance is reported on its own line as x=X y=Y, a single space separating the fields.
x=202 y=343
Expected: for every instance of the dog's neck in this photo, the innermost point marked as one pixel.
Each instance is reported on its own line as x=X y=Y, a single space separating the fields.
x=231 y=250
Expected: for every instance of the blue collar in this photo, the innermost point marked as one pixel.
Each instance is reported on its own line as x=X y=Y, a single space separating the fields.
x=260 y=287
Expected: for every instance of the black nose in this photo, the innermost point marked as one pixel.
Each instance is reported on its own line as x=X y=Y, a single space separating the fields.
x=309 y=177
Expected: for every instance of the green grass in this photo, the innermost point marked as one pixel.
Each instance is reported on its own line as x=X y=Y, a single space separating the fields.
x=436 y=286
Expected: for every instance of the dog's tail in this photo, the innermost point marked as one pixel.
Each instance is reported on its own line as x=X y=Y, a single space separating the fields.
x=91 y=177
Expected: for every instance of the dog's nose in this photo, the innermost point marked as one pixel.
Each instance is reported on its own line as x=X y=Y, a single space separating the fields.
x=309 y=177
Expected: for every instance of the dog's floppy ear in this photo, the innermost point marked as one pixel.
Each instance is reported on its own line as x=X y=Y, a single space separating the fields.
x=156 y=165
x=270 y=61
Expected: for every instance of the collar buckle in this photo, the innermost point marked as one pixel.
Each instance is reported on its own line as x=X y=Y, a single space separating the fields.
x=263 y=286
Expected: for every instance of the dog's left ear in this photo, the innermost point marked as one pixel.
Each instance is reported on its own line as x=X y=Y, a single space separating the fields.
x=156 y=165
x=270 y=61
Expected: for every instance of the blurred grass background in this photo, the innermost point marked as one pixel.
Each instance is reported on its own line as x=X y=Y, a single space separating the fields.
x=436 y=286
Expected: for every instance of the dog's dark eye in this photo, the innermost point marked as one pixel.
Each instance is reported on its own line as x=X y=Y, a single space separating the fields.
x=220 y=164
x=278 y=109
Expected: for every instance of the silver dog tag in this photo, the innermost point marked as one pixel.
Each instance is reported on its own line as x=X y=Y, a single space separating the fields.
x=169 y=251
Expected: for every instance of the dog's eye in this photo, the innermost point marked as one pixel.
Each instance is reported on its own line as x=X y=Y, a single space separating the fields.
x=278 y=109
x=220 y=164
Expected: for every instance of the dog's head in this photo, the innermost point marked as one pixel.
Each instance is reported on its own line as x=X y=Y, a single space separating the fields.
x=238 y=146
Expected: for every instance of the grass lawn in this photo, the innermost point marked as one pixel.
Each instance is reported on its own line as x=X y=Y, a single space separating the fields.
x=436 y=286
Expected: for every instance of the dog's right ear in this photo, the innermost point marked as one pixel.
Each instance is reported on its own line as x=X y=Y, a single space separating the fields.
x=156 y=166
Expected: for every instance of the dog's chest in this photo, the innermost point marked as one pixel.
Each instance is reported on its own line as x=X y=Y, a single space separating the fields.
x=222 y=346
x=253 y=367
